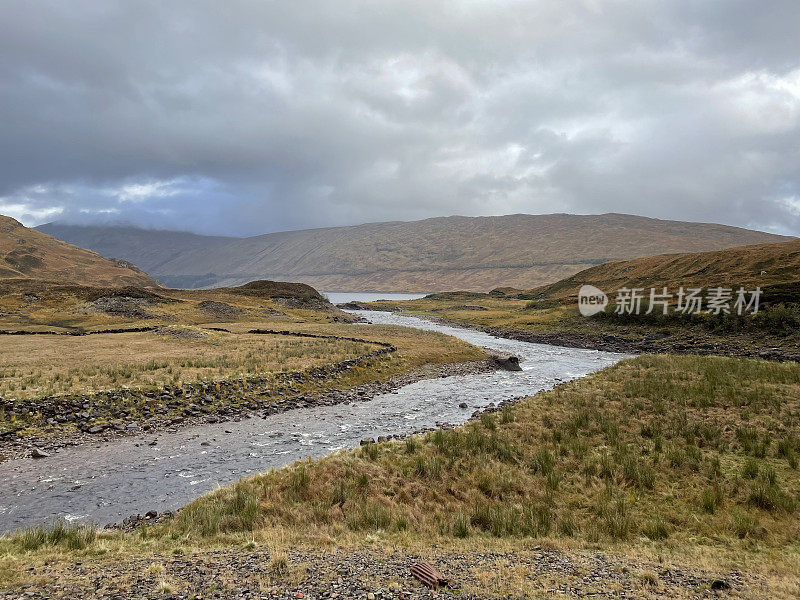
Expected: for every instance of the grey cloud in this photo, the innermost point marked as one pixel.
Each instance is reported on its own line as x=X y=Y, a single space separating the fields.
x=259 y=116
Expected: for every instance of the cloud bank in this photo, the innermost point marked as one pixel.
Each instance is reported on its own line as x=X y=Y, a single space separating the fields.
x=243 y=117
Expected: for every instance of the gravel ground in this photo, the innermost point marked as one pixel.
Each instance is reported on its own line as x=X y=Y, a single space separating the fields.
x=370 y=574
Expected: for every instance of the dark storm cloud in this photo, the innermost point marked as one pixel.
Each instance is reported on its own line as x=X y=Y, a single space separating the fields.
x=243 y=117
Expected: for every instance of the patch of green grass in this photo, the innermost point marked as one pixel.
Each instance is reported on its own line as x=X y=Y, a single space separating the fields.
x=234 y=508
x=646 y=448
x=60 y=534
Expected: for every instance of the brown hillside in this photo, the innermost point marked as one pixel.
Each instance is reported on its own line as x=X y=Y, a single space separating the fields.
x=30 y=254
x=447 y=253
x=773 y=267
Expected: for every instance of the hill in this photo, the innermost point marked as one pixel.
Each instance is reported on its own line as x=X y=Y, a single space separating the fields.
x=30 y=254
x=468 y=253
x=773 y=267
x=549 y=314
x=150 y=249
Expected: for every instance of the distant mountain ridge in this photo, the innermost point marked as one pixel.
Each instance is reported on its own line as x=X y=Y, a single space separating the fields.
x=443 y=253
x=30 y=254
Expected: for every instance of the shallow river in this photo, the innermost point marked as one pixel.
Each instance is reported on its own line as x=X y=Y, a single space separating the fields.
x=339 y=297
x=106 y=482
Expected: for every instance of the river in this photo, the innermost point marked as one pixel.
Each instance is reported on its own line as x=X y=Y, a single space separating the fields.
x=106 y=482
x=342 y=297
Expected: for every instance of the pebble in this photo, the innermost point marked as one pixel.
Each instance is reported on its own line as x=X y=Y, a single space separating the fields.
x=39 y=453
x=370 y=574
x=85 y=409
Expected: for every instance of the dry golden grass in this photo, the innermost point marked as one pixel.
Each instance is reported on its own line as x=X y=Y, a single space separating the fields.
x=761 y=265
x=35 y=305
x=33 y=366
x=184 y=349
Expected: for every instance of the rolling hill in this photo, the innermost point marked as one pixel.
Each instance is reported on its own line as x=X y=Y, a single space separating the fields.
x=467 y=253
x=29 y=254
x=773 y=267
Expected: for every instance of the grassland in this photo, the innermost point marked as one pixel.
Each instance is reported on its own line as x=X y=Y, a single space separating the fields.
x=772 y=333
x=30 y=305
x=772 y=267
x=197 y=337
x=666 y=448
x=250 y=366
x=33 y=366
x=677 y=459
x=549 y=313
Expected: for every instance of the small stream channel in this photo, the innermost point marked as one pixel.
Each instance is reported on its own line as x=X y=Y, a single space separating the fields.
x=106 y=482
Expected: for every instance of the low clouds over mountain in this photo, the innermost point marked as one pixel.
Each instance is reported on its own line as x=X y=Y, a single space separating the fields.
x=248 y=117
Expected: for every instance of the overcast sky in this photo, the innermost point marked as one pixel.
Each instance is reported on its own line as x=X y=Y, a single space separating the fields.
x=248 y=117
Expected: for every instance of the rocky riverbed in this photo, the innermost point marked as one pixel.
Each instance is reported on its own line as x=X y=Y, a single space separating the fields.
x=104 y=417
x=106 y=481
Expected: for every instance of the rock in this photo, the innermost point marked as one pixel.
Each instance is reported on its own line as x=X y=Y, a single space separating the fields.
x=95 y=429
x=719 y=585
x=509 y=362
x=462 y=405
x=151 y=514
x=39 y=453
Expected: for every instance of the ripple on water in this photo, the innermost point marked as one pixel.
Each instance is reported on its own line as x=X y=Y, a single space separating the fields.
x=123 y=477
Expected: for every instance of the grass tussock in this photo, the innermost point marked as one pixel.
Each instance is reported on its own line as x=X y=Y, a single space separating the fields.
x=658 y=447
x=59 y=535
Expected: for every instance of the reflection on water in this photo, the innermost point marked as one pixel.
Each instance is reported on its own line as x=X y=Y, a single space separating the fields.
x=340 y=297
x=112 y=480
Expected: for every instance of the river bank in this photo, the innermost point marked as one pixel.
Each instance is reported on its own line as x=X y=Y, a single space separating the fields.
x=634 y=482
x=579 y=332
x=639 y=480
x=162 y=471
x=201 y=404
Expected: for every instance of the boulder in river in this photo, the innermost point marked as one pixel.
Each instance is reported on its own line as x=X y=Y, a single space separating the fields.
x=509 y=362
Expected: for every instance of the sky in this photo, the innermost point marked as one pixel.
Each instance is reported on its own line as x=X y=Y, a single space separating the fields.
x=247 y=117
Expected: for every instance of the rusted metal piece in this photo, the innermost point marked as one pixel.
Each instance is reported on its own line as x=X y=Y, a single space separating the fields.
x=428 y=575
